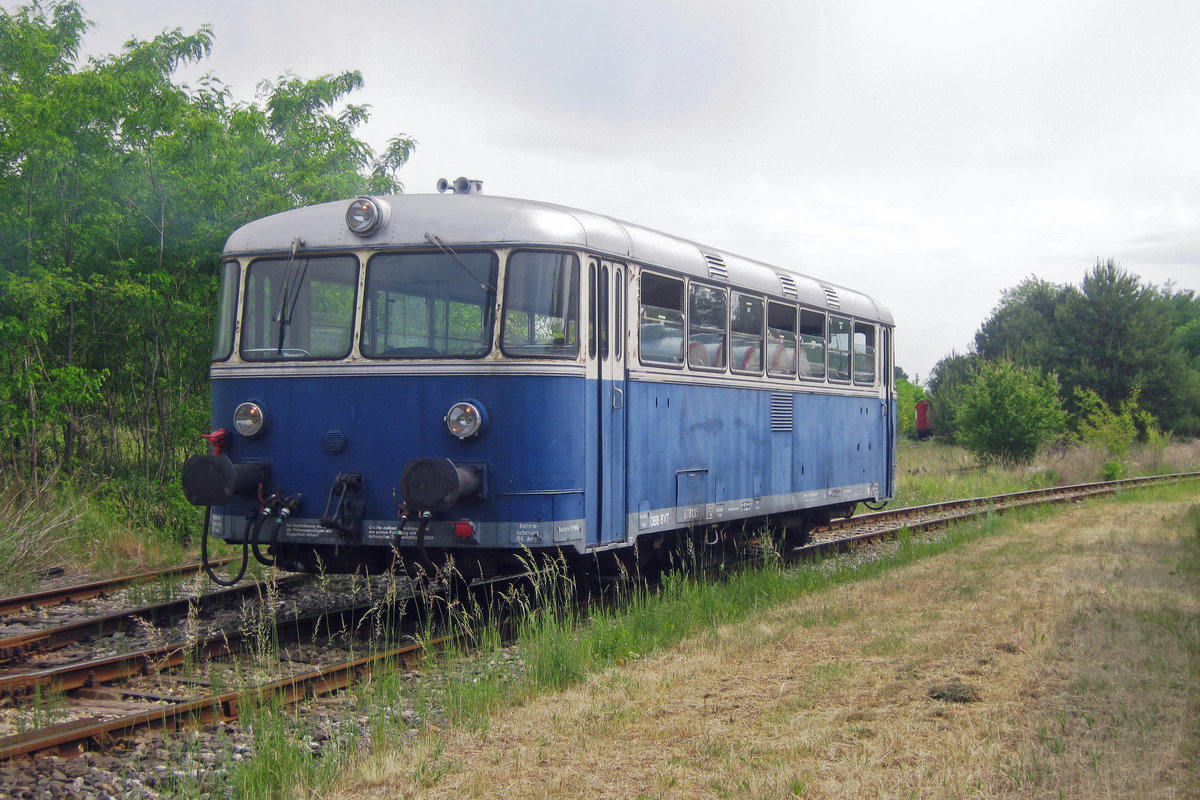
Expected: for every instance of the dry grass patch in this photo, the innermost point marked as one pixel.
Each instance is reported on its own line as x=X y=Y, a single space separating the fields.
x=1072 y=646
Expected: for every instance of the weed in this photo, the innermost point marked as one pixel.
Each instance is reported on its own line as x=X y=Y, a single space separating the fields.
x=31 y=530
x=258 y=624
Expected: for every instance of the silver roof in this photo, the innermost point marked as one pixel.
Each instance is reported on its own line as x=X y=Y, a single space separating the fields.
x=469 y=219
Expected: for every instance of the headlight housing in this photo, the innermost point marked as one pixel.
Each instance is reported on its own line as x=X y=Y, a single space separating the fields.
x=367 y=215
x=466 y=419
x=249 y=419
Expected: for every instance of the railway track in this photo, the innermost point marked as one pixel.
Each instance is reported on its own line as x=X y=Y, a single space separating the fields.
x=844 y=534
x=113 y=679
x=86 y=591
x=67 y=687
x=79 y=625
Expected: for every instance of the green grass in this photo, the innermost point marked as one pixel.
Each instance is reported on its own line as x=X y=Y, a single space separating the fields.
x=78 y=532
x=558 y=645
x=930 y=471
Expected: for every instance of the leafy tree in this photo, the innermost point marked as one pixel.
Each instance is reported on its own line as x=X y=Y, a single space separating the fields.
x=118 y=187
x=1182 y=310
x=1109 y=335
x=1024 y=327
x=946 y=383
x=908 y=395
x=1188 y=338
x=1008 y=413
x=1116 y=431
x=1117 y=339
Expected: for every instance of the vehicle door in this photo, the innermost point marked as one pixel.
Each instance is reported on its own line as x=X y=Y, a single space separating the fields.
x=889 y=410
x=607 y=295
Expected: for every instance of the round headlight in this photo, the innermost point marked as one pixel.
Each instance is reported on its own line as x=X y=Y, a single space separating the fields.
x=465 y=419
x=366 y=215
x=248 y=419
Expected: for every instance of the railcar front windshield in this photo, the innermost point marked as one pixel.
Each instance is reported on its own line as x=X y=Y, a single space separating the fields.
x=299 y=308
x=541 y=305
x=429 y=305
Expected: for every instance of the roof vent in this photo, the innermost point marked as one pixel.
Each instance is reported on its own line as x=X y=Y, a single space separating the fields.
x=716 y=267
x=831 y=297
x=789 y=286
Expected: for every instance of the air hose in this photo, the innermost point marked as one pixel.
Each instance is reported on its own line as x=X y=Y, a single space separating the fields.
x=204 y=554
x=283 y=509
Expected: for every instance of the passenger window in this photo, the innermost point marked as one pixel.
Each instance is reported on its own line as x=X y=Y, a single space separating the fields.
x=864 y=353
x=541 y=305
x=746 y=333
x=812 y=344
x=660 y=327
x=781 y=340
x=840 y=330
x=707 y=316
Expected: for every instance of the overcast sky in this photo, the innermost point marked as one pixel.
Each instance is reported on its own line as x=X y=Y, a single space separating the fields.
x=931 y=153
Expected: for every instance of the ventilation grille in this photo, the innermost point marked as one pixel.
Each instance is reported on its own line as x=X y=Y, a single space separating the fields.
x=781 y=412
x=334 y=441
x=716 y=267
x=831 y=297
x=789 y=286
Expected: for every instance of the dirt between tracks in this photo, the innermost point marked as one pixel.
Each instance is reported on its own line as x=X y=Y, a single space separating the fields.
x=1058 y=658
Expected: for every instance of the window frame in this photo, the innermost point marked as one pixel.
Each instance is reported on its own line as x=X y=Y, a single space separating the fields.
x=293 y=270
x=871 y=348
x=722 y=345
x=759 y=337
x=830 y=351
x=781 y=342
x=643 y=319
x=488 y=316
x=229 y=292
x=824 y=341
x=573 y=296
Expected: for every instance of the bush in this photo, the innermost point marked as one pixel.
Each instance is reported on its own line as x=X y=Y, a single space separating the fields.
x=908 y=395
x=1006 y=413
x=1115 y=431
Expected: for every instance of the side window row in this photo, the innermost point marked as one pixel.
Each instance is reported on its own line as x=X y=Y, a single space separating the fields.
x=711 y=329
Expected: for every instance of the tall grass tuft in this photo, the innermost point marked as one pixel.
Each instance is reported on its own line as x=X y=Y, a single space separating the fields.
x=32 y=530
x=284 y=764
x=546 y=620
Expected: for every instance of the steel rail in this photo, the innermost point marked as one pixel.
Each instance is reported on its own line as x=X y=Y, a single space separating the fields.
x=19 y=646
x=936 y=515
x=1027 y=497
x=73 y=738
x=86 y=591
x=108 y=669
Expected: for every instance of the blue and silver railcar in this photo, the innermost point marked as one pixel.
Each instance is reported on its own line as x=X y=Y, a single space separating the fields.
x=467 y=375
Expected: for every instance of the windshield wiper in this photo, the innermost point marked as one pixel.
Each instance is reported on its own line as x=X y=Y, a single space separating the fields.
x=445 y=248
x=287 y=304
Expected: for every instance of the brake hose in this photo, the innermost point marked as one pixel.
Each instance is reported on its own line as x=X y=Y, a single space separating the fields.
x=204 y=554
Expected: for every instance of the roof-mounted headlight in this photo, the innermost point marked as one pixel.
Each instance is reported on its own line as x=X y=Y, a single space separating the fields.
x=367 y=215
x=466 y=419
x=249 y=419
